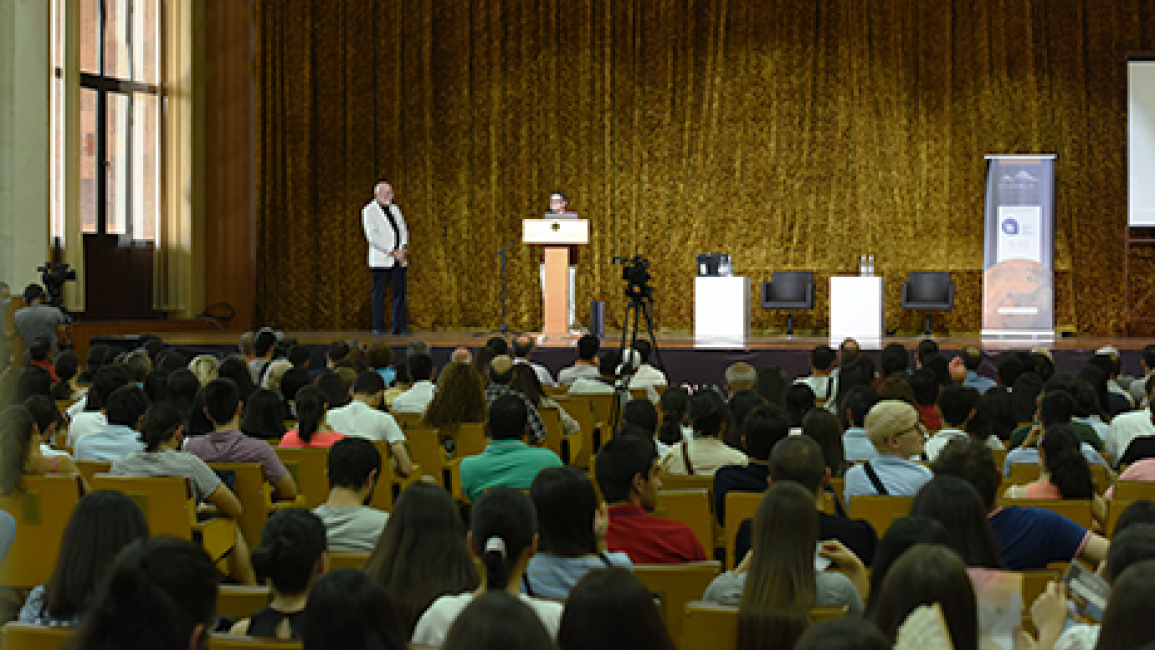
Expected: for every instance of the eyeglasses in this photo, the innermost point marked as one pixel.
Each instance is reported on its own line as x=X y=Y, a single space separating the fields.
x=917 y=428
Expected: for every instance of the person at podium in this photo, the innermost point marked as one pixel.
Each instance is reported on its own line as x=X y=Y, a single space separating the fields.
x=558 y=210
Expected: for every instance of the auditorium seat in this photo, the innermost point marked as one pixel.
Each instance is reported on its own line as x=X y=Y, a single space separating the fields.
x=710 y=626
x=41 y=508
x=240 y=601
x=1115 y=507
x=1134 y=490
x=576 y=447
x=347 y=560
x=1077 y=510
x=308 y=465
x=90 y=468
x=230 y=642
x=255 y=494
x=675 y=585
x=390 y=483
x=879 y=511
x=425 y=449
x=691 y=507
x=551 y=419
x=740 y=506
x=25 y=636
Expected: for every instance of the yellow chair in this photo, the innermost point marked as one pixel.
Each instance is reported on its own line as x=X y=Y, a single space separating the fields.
x=389 y=483
x=1134 y=490
x=255 y=498
x=90 y=468
x=1000 y=456
x=425 y=449
x=26 y=636
x=675 y=585
x=838 y=485
x=308 y=466
x=1024 y=473
x=709 y=626
x=240 y=601
x=551 y=419
x=470 y=438
x=41 y=508
x=1077 y=510
x=577 y=448
x=230 y=642
x=347 y=560
x=683 y=482
x=408 y=420
x=1100 y=478
x=879 y=511
x=169 y=509
x=693 y=508
x=740 y=506
x=1034 y=584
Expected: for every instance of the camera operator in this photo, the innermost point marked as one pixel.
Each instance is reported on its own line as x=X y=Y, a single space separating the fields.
x=38 y=318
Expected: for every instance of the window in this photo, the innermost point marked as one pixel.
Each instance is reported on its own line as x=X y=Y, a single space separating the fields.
x=120 y=105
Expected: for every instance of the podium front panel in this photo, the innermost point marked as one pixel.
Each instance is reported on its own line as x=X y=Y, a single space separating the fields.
x=721 y=312
x=856 y=310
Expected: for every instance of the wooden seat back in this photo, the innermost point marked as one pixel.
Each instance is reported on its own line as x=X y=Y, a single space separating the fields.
x=230 y=642
x=577 y=449
x=551 y=420
x=347 y=560
x=879 y=511
x=166 y=501
x=1134 y=490
x=740 y=506
x=693 y=508
x=1077 y=510
x=240 y=601
x=26 y=636
x=408 y=420
x=90 y=468
x=1024 y=472
x=708 y=626
x=675 y=585
x=425 y=449
x=250 y=489
x=308 y=466
x=470 y=438
x=41 y=508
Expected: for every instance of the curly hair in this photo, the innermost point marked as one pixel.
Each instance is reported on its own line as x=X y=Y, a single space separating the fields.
x=460 y=396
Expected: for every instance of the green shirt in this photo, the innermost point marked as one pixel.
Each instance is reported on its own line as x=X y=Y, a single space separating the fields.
x=1086 y=434
x=508 y=463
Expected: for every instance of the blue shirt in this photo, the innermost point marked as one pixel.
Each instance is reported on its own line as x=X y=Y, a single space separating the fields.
x=1030 y=456
x=857 y=446
x=553 y=576
x=978 y=382
x=388 y=373
x=108 y=444
x=509 y=463
x=1032 y=538
x=900 y=477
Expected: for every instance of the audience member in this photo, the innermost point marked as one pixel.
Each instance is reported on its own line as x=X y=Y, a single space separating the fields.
x=496 y=620
x=66 y=368
x=972 y=358
x=401 y=382
x=610 y=609
x=706 y=452
x=236 y=369
x=771 y=384
x=586 y=366
x=956 y=505
x=348 y=610
x=109 y=377
x=264 y=415
x=858 y=402
x=1063 y=471
x=1126 y=427
x=626 y=472
x=100 y=526
x=362 y=417
x=798 y=401
x=823 y=427
x=764 y=427
x=98 y=355
x=956 y=406
x=500 y=376
x=503 y=535
x=523 y=346
x=924 y=575
x=206 y=367
x=313 y=428
x=1028 y=538
x=21 y=453
x=820 y=380
x=647 y=375
x=571 y=531
x=903 y=534
x=420 y=393
x=603 y=384
x=925 y=386
x=226 y=443
x=740 y=376
x=1056 y=405
x=39 y=318
x=507 y=460
x=897 y=434
x=1055 y=409
x=124 y=411
x=526 y=382
x=173 y=581
x=290 y=556
x=264 y=343
x=354 y=470
x=843 y=633
x=422 y=553
x=674 y=405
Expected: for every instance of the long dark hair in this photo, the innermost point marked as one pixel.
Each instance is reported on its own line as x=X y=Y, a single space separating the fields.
x=1064 y=460
x=16 y=429
x=526 y=382
x=311 y=407
x=502 y=526
x=899 y=538
x=610 y=609
x=161 y=421
x=709 y=414
x=956 y=504
x=156 y=595
x=674 y=403
x=798 y=401
x=1125 y=623
x=347 y=609
x=1027 y=387
x=460 y=397
x=824 y=427
x=421 y=553
x=102 y=524
x=497 y=620
x=236 y=369
x=566 y=504
x=927 y=574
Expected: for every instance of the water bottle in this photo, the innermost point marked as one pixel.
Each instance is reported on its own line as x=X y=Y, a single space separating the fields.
x=870 y=265
x=862 y=265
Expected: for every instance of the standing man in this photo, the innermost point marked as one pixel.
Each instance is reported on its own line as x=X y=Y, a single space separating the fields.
x=388 y=256
x=38 y=319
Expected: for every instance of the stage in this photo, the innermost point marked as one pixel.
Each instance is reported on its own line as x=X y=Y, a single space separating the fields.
x=684 y=361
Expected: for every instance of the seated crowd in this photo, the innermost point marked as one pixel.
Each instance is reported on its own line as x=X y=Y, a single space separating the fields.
x=538 y=553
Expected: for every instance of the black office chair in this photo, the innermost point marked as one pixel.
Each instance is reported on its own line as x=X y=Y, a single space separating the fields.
x=928 y=291
x=789 y=290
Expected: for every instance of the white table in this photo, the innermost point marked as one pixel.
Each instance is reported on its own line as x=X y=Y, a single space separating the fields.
x=721 y=312
x=856 y=310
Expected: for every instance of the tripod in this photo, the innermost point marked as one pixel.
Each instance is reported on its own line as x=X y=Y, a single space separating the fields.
x=503 y=329
x=641 y=305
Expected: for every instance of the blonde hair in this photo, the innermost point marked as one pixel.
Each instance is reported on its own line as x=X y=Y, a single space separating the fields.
x=205 y=367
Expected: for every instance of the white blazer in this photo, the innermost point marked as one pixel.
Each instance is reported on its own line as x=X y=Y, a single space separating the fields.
x=379 y=234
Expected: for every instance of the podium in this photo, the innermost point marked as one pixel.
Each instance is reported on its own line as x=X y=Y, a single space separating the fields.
x=856 y=310
x=555 y=235
x=721 y=312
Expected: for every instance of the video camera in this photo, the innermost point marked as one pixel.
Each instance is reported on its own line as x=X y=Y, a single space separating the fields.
x=636 y=273
x=53 y=275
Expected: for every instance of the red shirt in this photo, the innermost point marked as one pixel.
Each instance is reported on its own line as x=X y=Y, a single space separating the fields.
x=929 y=417
x=650 y=539
x=318 y=439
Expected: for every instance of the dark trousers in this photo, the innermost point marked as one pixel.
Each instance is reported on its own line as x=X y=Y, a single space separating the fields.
x=382 y=278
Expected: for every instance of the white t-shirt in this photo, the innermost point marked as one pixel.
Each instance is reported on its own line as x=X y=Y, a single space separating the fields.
x=414 y=400
x=360 y=420
x=434 y=624
x=84 y=423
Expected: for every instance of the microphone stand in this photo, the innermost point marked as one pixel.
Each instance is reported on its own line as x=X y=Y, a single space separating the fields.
x=503 y=329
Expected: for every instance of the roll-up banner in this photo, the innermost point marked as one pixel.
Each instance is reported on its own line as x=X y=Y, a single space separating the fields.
x=1018 y=253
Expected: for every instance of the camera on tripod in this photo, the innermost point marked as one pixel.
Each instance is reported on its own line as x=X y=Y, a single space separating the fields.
x=636 y=273
x=53 y=275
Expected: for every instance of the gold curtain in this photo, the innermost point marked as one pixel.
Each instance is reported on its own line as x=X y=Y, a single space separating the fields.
x=791 y=134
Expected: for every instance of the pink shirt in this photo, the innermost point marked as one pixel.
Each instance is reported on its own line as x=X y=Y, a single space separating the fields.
x=318 y=439
x=1141 y=470
x=1042 y=490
